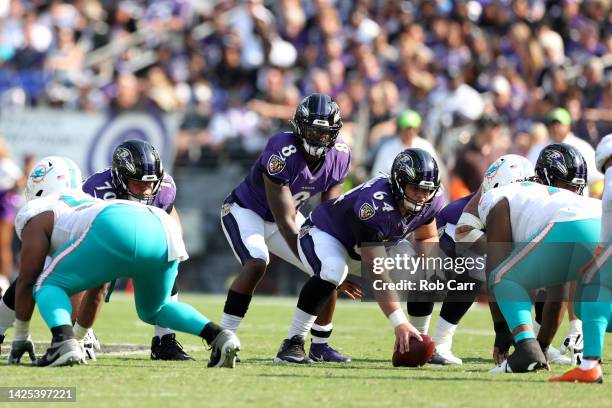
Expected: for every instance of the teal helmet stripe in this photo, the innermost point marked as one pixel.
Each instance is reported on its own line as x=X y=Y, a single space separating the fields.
x=74 y=172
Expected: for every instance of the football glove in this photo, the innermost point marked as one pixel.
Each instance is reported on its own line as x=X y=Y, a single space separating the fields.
x=574 y=344
x=90 y=345
x=18 y=348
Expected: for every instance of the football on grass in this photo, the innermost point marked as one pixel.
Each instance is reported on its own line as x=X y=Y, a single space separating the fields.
x=420 y=352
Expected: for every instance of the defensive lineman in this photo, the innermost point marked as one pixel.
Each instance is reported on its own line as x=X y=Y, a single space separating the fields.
x=125 y=239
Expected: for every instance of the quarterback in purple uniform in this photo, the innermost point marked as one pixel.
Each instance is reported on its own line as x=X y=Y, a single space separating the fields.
x=136 y=174
x=262 y=214
x=358 y=224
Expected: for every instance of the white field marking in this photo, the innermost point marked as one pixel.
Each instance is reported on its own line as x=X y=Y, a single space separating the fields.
x=118 y=349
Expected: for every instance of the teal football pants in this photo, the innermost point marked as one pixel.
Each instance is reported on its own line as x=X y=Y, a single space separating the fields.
x=552 y=256
x=123 y=241
x=594 y=302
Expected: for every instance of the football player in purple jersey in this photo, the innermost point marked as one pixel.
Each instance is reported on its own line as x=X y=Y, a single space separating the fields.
x=357 y=225
x=261 y=215
x=136 y=174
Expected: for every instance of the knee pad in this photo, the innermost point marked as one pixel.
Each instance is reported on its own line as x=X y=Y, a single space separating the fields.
x=334 y=270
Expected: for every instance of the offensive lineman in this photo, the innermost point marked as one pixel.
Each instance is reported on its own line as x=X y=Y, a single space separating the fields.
x=383 y=210
x=136 y=174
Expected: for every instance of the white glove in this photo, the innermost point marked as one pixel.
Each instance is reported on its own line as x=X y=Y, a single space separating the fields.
x=91 y=344
x=19 y=348
x=574 y=344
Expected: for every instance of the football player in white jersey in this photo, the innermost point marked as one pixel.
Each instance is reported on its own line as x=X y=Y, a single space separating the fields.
x=556 y=231
x=126 y=239
x=594 y=300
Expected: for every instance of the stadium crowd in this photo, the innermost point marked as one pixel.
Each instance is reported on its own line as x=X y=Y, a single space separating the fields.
x=480 y=76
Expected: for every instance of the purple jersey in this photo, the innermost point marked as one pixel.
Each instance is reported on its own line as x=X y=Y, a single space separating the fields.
x=101 y=185
x=369 y=213
x=451 y=213
x=285 y=164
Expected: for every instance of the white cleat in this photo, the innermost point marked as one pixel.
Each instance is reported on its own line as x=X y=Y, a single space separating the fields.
x=502 y=368
x=443 y=355
x=554 y=356
x=225 y=348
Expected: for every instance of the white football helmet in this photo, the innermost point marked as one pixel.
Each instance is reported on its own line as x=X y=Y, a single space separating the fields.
x=53 y=174
x=509 y=168
x=603 y=152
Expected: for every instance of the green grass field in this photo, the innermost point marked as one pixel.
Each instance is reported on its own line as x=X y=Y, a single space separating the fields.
x=122 y=380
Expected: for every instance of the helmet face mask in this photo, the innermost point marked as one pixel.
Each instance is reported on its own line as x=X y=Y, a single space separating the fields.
x=415 y=171
x=316 y=124
x=560 y=162
x=137 y=161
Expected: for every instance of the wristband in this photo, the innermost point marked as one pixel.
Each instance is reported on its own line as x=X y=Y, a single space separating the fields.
x=22 y=329
x=471 y=220
x=398 y=317
x=472 y=236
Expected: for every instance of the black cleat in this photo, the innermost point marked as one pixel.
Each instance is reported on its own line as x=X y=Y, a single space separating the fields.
x=292 y=351
x=168 y=348
x=67 y=352
x=1 y=341
x=527 y=357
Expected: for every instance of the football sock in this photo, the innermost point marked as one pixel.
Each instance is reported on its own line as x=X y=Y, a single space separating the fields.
x=7 y=317
x=320 y=334
x=210 y=331
x=536 y=328
x=162 y=331
x=444 y=332
x=575 y=326
x=79 y=331
x=230 y=322
x=301 y=323
x=236 y=306
x=588 y=364
x=22 y=330
x=313 y=297
x=421 y=323
x=61 y=333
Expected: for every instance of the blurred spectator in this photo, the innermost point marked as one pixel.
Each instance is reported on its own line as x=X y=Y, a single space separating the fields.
x=451 y=62
x=408 y=124
x=559 y=122
x=11 y=180
x=475 y=158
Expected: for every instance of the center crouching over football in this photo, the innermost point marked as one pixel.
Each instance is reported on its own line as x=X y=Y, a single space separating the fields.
x=306 y=203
